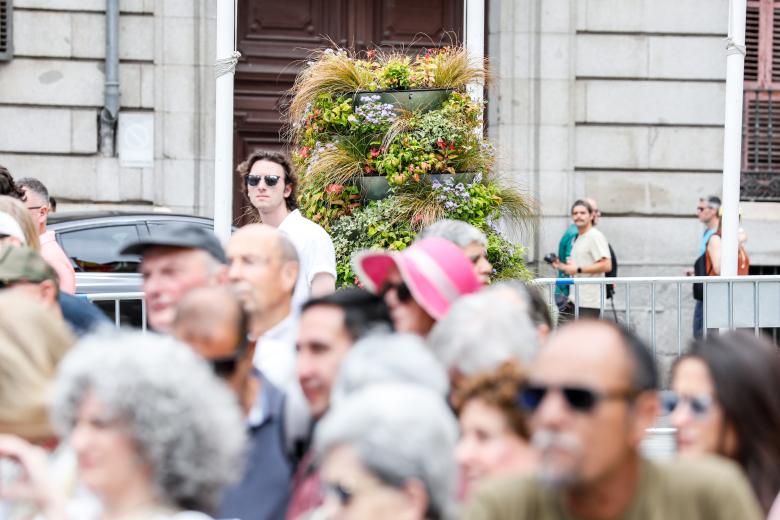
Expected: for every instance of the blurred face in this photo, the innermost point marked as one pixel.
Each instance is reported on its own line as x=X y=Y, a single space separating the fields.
x=477 y=253
x=108 y=460
x=704 y=212
x=323 y=343
x=260 y=277
x=169 y=273
x=38 y=208
x=488 y=447
x=581 y=445
x=581 y=216
x=696 y=413
x=353 y=493
x=220 y=344
x=406 y=313
x=264 y=197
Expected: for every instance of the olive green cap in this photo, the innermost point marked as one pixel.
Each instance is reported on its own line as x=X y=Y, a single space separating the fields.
x=22 y=264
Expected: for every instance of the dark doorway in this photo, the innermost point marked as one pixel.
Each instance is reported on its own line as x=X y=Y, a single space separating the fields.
x=276 y=36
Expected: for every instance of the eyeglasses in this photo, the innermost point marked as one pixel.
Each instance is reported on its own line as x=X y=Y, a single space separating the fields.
x=579 y=399
x=35 y=207
x=225 y=366
x=254 y=180
x=342 y=493
x=699 y=405
x=401 y=290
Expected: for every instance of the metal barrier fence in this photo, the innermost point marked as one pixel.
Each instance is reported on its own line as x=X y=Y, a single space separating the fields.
x=643 y=303
x=136 y=316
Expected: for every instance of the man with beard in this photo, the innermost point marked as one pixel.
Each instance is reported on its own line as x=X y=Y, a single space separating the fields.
x=591 y=396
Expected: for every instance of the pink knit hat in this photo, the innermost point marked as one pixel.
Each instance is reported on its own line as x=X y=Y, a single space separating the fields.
x=435 y=270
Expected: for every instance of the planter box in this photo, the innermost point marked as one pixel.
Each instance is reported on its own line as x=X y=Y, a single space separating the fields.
x=414 y=100
x=375 y=187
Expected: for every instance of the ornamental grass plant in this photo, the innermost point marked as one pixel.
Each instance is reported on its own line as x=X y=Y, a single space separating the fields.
x=348 y=123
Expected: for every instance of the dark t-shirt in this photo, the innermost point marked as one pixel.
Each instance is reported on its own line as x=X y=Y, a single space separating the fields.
x=709 y=489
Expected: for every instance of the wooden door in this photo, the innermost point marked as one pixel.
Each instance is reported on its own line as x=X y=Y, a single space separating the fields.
x=276 y=36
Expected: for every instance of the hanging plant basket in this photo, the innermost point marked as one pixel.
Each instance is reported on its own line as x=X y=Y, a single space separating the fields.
x=373 y=187
x=413 y=100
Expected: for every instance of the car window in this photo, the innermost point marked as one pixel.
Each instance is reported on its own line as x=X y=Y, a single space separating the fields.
x=97 y=249
x=156 y=227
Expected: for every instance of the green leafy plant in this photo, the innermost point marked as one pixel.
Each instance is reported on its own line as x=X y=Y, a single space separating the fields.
x=342 y=129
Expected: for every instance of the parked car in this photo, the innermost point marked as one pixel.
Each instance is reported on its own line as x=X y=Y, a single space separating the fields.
x=92 y=241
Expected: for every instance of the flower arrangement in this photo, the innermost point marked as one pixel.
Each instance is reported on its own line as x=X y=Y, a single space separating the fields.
x=347 y=125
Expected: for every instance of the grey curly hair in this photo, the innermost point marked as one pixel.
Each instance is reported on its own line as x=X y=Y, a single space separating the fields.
x=185 y=422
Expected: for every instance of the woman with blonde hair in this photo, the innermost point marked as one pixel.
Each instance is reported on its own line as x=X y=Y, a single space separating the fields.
x=32 y=343
x=19 y=211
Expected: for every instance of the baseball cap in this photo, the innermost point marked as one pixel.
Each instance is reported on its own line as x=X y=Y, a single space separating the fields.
x=435 y=270
x=22 y=264
x=10 y=227
x=188 y=236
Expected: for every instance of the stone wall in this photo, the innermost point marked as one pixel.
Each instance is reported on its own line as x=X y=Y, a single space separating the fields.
x=51 y=94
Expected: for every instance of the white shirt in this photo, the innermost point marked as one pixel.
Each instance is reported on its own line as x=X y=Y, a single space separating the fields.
x=315 y=252
x=275 y=352
x=275 y=358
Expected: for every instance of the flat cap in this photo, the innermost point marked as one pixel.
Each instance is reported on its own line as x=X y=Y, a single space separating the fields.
x=188 y=236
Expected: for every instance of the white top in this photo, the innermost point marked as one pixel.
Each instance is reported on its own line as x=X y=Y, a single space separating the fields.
x=315 y=252
x=589 y=249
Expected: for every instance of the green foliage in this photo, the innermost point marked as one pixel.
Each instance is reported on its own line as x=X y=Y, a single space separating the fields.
x=342 y=129
x=374 y=226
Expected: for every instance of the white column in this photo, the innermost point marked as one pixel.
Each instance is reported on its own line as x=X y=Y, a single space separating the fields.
x=474 y=39
x=732 y=142
x=223 y=154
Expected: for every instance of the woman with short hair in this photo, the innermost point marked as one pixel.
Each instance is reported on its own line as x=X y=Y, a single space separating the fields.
x=157 y=436
x=495 y=437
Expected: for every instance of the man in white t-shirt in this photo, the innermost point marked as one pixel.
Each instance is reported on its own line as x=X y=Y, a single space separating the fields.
x=590 y=258
x=271 y=186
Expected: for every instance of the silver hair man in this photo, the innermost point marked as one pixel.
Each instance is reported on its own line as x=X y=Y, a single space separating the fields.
x=400 y=433
x=185 y=423
x=390 y=358
x=456 y=231
x=477 y=334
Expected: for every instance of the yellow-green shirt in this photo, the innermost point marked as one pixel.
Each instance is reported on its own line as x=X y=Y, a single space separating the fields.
x=708 y=489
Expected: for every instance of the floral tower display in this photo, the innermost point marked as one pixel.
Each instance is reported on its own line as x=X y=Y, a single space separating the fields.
x=386 y=144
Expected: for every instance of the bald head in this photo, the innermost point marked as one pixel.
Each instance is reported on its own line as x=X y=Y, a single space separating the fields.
x=211 y=320
x=589 y=351
x=263 y=270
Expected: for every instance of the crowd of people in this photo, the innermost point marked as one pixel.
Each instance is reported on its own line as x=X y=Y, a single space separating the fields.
x=429 y=392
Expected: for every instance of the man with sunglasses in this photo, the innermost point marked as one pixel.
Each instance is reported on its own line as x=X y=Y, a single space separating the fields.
x=271 y=187
x=213 y=322
x=591 y=396
x=36 y=198
x=707 y=213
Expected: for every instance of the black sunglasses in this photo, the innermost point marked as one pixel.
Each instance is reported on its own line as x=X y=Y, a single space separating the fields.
x=254 y=180
x=579 y=399
x=401 y=290
x=225 y=366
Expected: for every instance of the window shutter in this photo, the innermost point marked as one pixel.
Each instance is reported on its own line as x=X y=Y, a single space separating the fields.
x=761 y=146
x=6 y=35
x=751 y=42
x=776 y=43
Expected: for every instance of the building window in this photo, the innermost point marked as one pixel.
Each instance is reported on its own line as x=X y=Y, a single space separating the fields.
x=6 y=34
x=761 y=122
